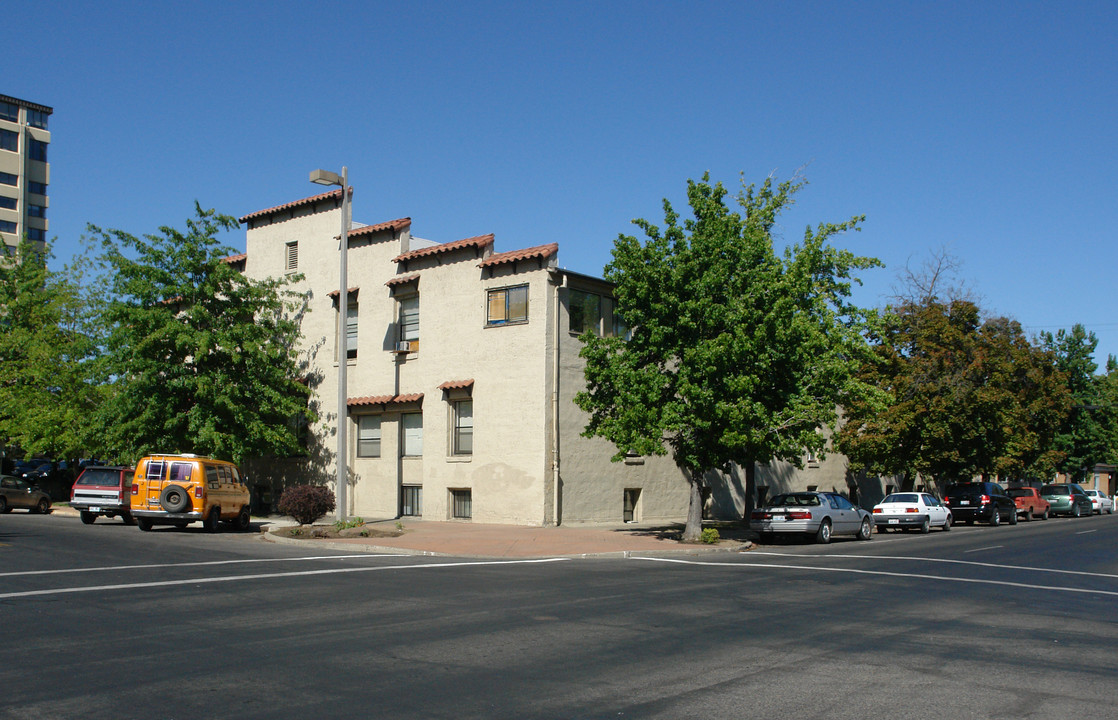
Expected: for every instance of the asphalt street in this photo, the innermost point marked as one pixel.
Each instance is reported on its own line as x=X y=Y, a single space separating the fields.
x=104 y=621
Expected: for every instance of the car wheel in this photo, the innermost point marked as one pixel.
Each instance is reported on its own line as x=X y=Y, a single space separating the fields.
x=995 y=518
x=4 y=505
x=947 y=524
x=882 y=529
x=144 y=523
x=1075 y=511
x=1110 y=510
x=1013 y=518
x=244 y=519
x=43 y=506
x=127 y=518
x=88 y=518
x=1044 y=515
x=865 y=532
x=925 y=526
x=823 y=534
x=174 y=499
x=1028 y=516
x=765 y=537
x=212 y=520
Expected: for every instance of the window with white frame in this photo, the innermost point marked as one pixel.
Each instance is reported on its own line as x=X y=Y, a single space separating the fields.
x=368 y=436
x=291 y=257
x=350 y=330
x=507 y=305
x=409 y=318
x=411 y=434
x=462 y=440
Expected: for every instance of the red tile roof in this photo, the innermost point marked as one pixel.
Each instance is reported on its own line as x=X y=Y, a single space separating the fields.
x=481 y=241
x=457 y=384
x=384 y=400
x=334 y=293
x=233 y=259
x=380 y=227
x=402 y=280
x=292 y=205
x=540 y=251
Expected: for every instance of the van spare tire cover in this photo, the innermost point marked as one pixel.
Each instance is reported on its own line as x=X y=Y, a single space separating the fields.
x=174 y=499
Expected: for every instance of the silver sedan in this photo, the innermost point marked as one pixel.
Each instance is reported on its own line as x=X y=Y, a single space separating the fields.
x=815 y=514
x=18 y=493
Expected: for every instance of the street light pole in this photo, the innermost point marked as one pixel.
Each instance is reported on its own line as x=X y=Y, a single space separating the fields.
x=325 y=177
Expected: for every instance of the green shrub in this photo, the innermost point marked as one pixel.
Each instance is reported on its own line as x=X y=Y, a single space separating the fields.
x=306 y=503
x=710 y=536
x=347 y=524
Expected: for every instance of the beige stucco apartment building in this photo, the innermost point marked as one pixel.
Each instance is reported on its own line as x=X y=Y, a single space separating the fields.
x=24 y=172
x=462 y=369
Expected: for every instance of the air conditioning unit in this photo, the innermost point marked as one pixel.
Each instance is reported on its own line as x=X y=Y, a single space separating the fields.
x=403 y=346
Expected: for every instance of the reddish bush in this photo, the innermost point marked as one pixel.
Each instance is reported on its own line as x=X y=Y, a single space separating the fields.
x=306 y=503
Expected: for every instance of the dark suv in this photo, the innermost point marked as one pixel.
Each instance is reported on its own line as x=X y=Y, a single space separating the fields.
x=984 y=501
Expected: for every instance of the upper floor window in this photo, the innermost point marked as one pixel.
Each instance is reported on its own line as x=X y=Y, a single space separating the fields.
x=38 y=150
x=620 y=327
x=291 y=259
x=8 y=203
x=7 y=226
x=368 y=436
x=350 y=330
x=9 y=179
x=409 y=318
x=9 y=140
x=462 y=442
x=585 y=312
x=37 y=118
x=411 y=434
x=36 y=235
x=37 y=211
x=9 y=111
x=508 y=305
x=36 y=188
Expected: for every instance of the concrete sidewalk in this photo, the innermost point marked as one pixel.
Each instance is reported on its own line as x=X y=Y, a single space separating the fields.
x=476 y=540
x=467 y=539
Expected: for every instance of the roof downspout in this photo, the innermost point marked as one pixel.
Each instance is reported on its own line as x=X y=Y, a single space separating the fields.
x=555 y=486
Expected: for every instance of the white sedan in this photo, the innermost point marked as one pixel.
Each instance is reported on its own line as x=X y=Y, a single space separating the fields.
x=908 y=510
x=1100 y=503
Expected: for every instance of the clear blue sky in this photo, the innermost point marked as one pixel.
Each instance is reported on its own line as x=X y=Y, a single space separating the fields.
x=987 y=128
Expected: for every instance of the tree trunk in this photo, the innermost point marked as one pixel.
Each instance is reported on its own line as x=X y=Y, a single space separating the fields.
x=693 y=531
x=750 y=489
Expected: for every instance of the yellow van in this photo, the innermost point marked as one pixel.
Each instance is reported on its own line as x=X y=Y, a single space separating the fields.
x=180 y=489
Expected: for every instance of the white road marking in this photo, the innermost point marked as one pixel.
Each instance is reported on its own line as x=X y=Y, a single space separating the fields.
x=918 y=576
x=190 y=564
x=946 y=560
x=199 y=581
x=988 y=547
x=1086 y=532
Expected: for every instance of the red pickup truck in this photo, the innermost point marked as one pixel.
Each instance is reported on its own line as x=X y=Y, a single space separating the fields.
x=1029 y=503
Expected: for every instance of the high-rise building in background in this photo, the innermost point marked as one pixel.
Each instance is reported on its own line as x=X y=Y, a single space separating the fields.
x=24 y=172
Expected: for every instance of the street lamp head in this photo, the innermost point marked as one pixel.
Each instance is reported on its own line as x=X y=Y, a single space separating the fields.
x=325 y=177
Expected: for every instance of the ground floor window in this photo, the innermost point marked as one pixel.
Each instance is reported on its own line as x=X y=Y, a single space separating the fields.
x=411 y=500
x=461 y=504
x=631 y=505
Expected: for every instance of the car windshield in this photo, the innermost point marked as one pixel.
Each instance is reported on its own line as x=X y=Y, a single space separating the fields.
x=1019 y=492
x=1055 y=490
x=806 y=499
x=901 y=498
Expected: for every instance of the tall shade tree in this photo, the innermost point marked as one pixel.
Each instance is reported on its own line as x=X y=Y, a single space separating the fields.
x=737 y=354
x=1083 y=436
x=47 y=391
x=203 y=359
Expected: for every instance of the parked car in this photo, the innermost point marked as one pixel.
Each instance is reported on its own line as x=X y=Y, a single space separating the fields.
x=18 y=493
x=180 y=489
x=103 y=491
x=47 y=475
x=1067 y=499
x=909 y=510
x=816 y=514
x=984 y=501
x=1029 y=502
x=1100 y=502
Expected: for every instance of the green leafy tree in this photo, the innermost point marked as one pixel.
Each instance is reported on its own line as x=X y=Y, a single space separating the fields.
x=47 y=387
x=967 y=397
x=201 y=357
x=1083 y=437
x=737 y=354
